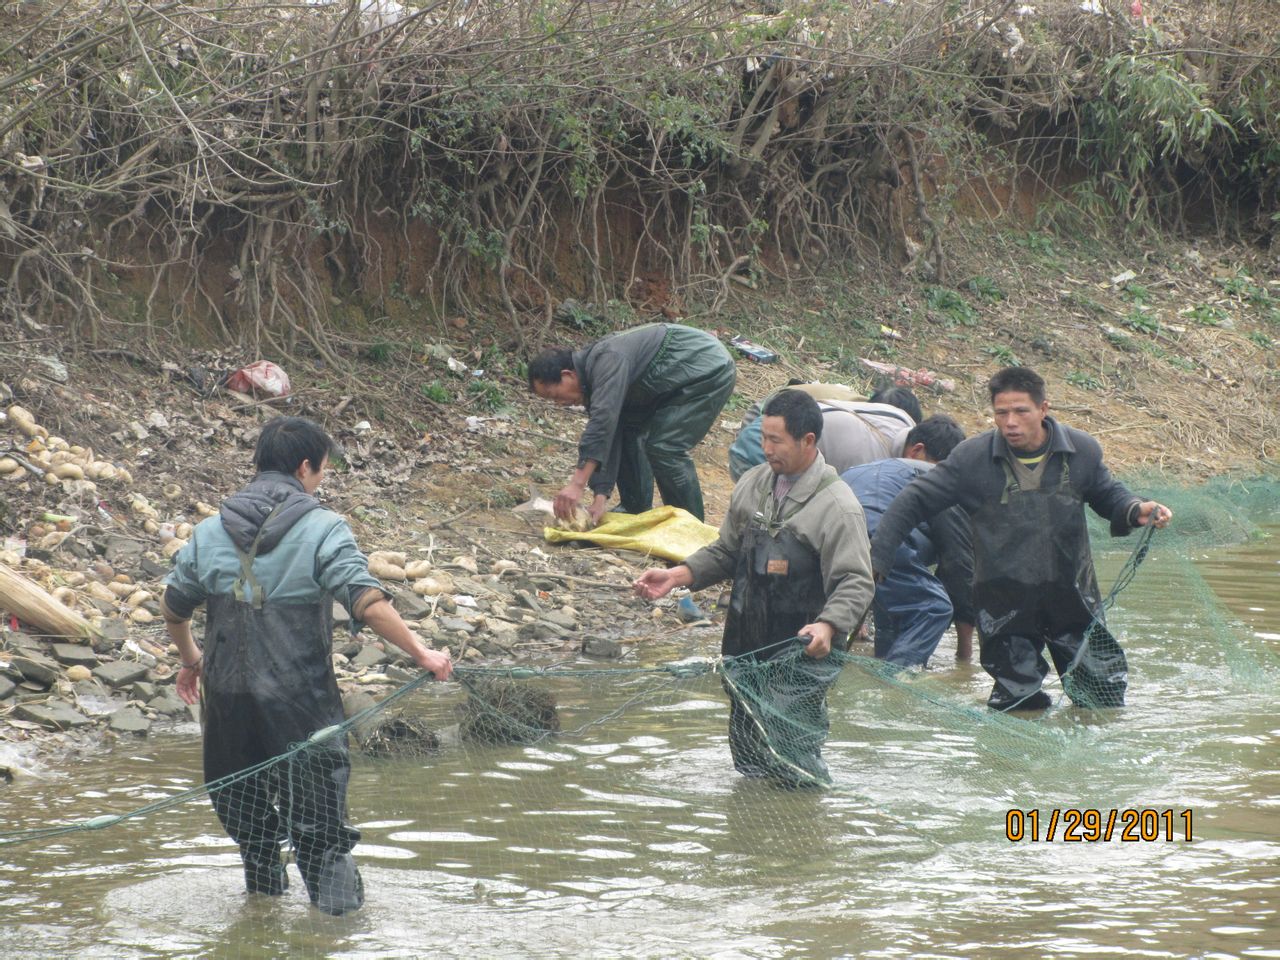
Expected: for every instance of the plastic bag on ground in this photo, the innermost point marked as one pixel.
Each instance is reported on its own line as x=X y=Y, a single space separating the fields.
x=667 y=532
x=262 y=377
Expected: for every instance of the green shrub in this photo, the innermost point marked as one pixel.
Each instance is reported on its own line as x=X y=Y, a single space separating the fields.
x=1207 y=314
x=1141 y=320
x=1004 y=356
x=984 y=288
x=486 y=395
x=437 y=392
x=1078 y=378
x=953 y=308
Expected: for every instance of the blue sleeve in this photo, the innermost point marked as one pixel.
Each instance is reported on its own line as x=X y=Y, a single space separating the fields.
x=747 y=449
x=183 y=589
x=927 y=495
x=342 y=570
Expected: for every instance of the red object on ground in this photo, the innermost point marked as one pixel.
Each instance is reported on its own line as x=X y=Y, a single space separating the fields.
x=905 y=377
x=260 y=377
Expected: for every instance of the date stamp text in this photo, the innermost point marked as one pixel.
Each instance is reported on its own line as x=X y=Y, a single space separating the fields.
x=1091 y=825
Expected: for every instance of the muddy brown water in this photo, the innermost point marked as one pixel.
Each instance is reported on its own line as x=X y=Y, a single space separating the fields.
x=639 y=841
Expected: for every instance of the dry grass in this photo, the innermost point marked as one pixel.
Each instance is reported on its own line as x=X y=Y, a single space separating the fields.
x=239 y=168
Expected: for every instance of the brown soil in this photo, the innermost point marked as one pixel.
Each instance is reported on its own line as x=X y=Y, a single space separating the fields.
x=1174 y=370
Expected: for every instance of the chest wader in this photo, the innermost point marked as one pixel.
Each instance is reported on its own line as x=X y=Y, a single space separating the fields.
x=1034 y=586
x=269 y=684
x=668 y=411
x=777 y=694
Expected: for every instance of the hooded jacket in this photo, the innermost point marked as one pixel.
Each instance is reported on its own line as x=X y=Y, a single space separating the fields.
x=268 y=568
x=303 y=551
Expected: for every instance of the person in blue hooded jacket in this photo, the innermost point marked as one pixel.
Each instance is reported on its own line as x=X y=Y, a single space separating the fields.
x=913 y=605
x=267 y=569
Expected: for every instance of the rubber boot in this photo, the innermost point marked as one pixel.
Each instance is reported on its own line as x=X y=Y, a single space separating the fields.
x=338 y=886
x=1000 y=700
x=264 y=873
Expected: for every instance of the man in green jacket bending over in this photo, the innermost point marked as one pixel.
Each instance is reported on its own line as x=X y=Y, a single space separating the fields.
x=651 y=395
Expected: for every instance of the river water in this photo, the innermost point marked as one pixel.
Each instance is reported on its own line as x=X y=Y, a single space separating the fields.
x=637 y=839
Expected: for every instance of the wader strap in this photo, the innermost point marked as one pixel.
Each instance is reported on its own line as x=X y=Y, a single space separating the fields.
x=1011 y=484
x=246 y=565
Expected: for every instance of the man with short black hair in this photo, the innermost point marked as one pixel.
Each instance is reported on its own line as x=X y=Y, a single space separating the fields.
x=1024 y=485
x=268 y=569
x=913 y=606
x=795 y=543
x=651 y=394
x=903 y=398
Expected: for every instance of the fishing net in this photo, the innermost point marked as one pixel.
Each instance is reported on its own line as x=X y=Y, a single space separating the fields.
x=601 y=783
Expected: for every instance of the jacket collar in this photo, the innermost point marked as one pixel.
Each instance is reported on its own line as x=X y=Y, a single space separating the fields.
x=579 y=358
x=1059 y=441
x=806 y=484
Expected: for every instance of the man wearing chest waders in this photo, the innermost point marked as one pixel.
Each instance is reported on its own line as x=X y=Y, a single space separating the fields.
x=268 y=569
x=651 y=395
x=795 y=543
x=1024 y=485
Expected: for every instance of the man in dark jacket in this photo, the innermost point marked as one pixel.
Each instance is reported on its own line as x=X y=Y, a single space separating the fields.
x=268 y=569
x=1024 y=485
x=913 y=606
x=651 y=395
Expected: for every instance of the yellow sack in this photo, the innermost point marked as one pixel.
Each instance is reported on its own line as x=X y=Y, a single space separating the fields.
x=666 y=532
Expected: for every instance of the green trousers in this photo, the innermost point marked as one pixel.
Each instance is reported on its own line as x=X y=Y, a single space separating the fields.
x=668 y=411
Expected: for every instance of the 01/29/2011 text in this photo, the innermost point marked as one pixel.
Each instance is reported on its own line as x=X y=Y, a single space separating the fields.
x=1088 y=825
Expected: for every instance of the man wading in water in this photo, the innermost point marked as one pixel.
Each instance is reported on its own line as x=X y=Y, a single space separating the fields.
x=269 y=567
x=795 y=543
x=1024 y=485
